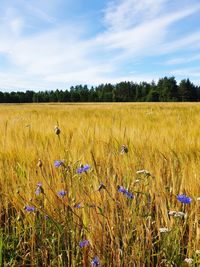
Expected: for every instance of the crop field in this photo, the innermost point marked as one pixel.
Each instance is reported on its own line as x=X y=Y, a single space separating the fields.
x=100 y=185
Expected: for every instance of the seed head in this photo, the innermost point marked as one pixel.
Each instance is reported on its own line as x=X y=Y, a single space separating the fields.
x=39 y=164
x=57 y=130
x=101 y=186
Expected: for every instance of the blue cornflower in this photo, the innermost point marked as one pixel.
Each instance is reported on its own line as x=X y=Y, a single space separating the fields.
x=29 y=208
x=58 y=163
x=83 y=168
x=77 y=205
x=129 y=195
x=95 y=262
x=46 y=217
x=101 y=186
x=121 y=189
x=39 y=189
x=84 y=243
x=125 y=192
x=39 y=184
x=62 y=193
x=184 y=199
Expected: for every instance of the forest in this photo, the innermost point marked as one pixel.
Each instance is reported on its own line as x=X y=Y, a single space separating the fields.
x=165 y=90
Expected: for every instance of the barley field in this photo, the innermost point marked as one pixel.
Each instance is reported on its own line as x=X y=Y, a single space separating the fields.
x=100 y=185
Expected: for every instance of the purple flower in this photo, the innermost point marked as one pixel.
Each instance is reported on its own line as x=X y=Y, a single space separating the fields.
x=121 y=189
x=62 y=193
x=84 y=243
x=29 y=208
x=83 y=168
x=58 y=163
x=101 y=186
x=46 y=217
x=95 y=262
x=125 y=192
x=129 y=195
x=124 y=149
x=77 y=205
x=184 y=199
x=39 y=189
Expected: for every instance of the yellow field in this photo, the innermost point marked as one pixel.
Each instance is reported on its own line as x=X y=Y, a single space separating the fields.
x=161 y=138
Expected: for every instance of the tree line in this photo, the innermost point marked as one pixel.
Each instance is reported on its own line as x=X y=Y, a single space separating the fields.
x=166 y=90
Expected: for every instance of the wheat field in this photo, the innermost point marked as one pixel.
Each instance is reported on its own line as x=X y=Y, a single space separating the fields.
x=122 y=210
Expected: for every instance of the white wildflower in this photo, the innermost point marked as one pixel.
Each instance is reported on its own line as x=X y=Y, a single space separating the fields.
x=177 y=214
x=172 y=213
x=164 y=230
x=163 y=261
x=197 y=251
x=143 y=172
x=180 y=214
x=188 y=260
x=198 y=198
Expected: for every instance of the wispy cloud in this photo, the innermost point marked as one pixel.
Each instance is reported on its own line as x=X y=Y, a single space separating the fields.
x=120 y=15
x=190 y=41
x=183 y=60
x=184 y=72
x=147 y=35
x=60 y=54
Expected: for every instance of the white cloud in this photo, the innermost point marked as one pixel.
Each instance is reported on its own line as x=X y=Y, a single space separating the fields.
x=184 y=72
x=99 y=76
x=61 y=55
x=40 y=13
x=21 y=81
x=183 y=60
x=190 y=41
x=49 y=52
x=16 y=26
x=128 y=13
x=147 y=33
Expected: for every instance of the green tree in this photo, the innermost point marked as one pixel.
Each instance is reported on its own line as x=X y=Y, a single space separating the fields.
x=187 y=91
x=168 y=89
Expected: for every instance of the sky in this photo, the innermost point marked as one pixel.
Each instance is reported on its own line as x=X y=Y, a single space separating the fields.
x=50 y=44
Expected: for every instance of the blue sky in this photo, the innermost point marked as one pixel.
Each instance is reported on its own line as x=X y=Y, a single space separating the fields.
x=49 y=44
